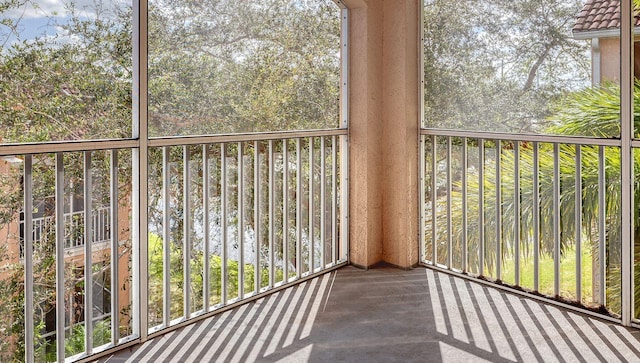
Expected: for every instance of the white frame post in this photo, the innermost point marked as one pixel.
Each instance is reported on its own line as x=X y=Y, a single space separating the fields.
x=140 y=158
x=626 y=152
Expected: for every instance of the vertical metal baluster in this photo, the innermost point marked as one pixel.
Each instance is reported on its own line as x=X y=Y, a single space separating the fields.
x=481 y=206
x=285 y=211
x=105 y=220
x=88 y=263
x=602 y=226
x=345 y=60
x=434 y=196
x=516 y=210
x=272 y=196
x=310 y=238
x=344 y=196
x=93 y=232
x=166 y=236
x=627 y=164
x=206 y=229
x=100 y=220
x=344 y=139
x=72 y=239
x=29 y=334
x=299 y=208
x=323 y=204
x=578 y=222
x=498 y=210
x=115 y=249
x=449 y=192
x=465 y=222
x=334 y=199
x=60 y=305
x=536 y=217
x=256 y=215
x=95 y=219
x=224 y=208
x=423 y=202
x=186 y=248
x=556 y=219
x=240 y=184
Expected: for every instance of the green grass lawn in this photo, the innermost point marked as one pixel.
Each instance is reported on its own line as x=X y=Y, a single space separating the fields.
x=567 y=274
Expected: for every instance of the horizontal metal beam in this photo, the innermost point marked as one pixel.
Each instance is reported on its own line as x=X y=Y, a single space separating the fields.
x=254 y=136
x=66 y=146
x=93 y=145
x=524 y=137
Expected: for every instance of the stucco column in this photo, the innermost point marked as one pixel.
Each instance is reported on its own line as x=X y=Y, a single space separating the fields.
x=365 y=135
x=384 y=84
x=401 y=80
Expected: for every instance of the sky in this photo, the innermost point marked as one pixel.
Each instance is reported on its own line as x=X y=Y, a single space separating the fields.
x=39 y=18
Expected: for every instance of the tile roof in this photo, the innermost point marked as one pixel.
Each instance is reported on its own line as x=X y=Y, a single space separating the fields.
x=599 y=15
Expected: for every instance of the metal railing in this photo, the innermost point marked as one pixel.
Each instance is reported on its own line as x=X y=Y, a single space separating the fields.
x=50 y=240
x=537 y=213
x=241 y=218
x=229 y=220
x=74 y=227
x=100 y=227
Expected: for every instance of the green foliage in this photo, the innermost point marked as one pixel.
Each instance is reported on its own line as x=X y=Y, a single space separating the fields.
x=44 y=97
x=592 y=112
x=235 y=66
x=74 y=342
x=596 y=112
x=546 y=278
x=501 y=65
x=156 y=271
x=219 y=66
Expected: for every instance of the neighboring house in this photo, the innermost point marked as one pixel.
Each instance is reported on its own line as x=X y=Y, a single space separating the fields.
x=43 y=225
x=599 y=21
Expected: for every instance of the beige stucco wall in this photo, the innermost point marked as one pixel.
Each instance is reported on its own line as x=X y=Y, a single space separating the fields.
x=9 y=234
x=384 y=108
x=400 y=129
x=609 y=49
x=610 y=59
x=365 y=136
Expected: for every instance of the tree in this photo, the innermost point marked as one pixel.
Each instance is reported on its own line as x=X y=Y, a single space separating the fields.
x=45 y=98
x=223 y=66
x=501 y=65
x=591 y=112
x=217 y=66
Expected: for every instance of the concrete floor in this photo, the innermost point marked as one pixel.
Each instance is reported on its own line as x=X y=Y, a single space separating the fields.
x=390 y=315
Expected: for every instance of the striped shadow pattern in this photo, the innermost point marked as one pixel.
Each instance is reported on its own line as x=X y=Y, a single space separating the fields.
x=508 y=328
x=390 y=315
x=243 y=334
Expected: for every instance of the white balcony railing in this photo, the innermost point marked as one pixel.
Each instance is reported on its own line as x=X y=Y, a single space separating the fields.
x=540 y=214
x=74 y=227
x=229 y=218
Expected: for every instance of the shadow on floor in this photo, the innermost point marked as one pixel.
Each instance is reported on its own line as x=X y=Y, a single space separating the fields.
x=387 y=315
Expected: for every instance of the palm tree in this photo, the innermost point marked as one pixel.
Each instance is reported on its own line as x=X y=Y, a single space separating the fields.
x=592 y=112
